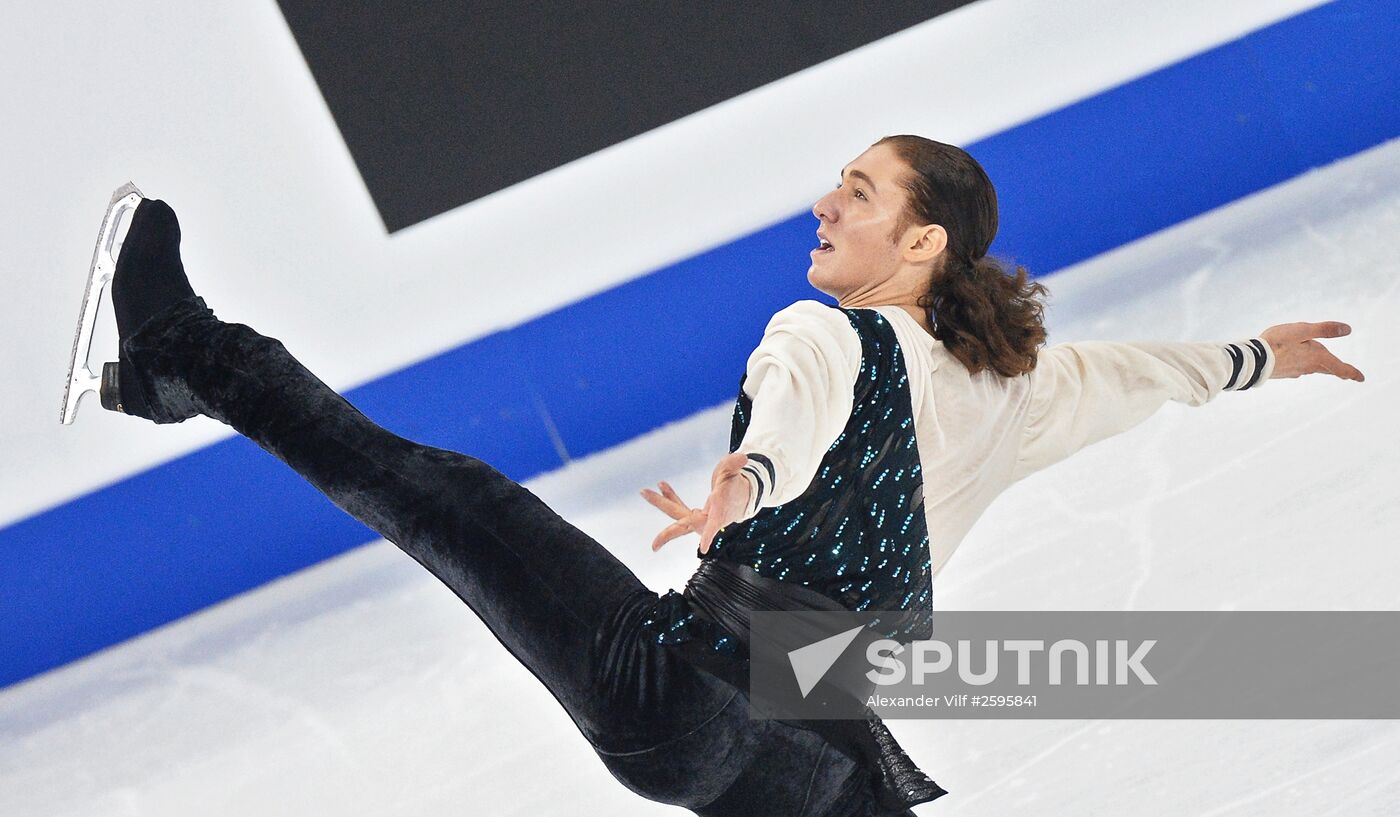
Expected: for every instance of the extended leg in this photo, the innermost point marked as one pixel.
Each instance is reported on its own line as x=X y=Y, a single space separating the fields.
x=558 y=600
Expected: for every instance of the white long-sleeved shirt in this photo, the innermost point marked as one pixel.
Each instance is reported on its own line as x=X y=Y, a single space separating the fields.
x=976 y=433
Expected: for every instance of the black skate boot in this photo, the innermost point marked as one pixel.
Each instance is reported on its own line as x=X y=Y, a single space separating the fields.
x=149 y=280
x=139 y=253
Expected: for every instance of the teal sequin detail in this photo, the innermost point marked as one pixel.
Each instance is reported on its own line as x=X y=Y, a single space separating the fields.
x=837 y=537
x=672 y=621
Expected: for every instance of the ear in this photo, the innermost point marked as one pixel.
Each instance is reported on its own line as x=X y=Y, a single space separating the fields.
x=927 y=242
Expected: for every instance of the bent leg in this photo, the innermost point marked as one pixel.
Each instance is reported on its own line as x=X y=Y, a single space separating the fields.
x=557 y=599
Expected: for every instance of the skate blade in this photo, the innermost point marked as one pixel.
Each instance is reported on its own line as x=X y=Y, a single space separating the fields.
x=115 y=225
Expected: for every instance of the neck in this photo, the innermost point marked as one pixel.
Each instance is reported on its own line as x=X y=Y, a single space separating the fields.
x=909 y=305
x=902 y=289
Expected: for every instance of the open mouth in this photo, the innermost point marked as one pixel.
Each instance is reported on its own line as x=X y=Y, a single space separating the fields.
x=824 y=248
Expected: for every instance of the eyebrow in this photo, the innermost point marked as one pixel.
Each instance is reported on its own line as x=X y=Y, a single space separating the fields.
x=859 y=175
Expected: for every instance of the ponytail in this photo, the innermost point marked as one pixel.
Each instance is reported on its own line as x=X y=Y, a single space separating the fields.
x=987 y=317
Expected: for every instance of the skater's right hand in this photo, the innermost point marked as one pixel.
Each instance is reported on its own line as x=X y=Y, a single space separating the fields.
x=730 y=494
x=688 y=519
x=1297 y=354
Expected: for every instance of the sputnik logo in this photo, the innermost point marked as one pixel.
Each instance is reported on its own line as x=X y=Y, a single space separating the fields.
x=811 y=662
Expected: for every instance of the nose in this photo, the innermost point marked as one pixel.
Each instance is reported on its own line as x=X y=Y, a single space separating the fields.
x=825 y=209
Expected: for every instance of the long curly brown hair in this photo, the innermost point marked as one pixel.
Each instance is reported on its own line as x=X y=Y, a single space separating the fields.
x=987 y=313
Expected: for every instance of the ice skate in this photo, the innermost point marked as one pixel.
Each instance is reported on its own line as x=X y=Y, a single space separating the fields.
x=138 y=254
x=115 y=225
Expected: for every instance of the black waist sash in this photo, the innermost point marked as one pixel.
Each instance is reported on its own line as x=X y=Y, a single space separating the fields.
x=726 y=593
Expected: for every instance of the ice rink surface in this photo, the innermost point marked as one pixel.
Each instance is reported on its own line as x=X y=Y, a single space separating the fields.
x=364 y=687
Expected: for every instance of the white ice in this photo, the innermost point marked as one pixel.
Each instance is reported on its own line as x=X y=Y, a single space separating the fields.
x=363 y=686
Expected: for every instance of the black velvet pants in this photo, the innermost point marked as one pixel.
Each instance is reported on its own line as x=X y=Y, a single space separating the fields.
x=555 y=598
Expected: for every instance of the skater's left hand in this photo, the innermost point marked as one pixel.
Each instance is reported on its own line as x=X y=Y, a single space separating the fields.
x=729 y=496
x=1296 y=353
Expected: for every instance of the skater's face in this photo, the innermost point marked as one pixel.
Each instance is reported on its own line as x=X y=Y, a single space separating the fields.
x=872 y=258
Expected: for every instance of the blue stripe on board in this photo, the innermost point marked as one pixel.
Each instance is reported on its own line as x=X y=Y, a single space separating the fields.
x=1196 y=135
x=1074 y=183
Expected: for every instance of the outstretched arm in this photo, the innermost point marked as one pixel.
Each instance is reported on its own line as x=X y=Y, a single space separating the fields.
x=1084 y=392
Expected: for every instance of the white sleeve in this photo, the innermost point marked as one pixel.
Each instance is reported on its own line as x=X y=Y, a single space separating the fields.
x=801 y=379
x=1083 y=392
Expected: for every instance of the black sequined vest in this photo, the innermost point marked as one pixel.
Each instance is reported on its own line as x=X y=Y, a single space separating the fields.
x=858 y=533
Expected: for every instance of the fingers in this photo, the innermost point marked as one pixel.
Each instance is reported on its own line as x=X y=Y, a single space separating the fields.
x=1300 y=331
x=670 y=532
x=707 y=534
x=1322 y=329
x=670 y=492
x=697 y=520
x=1331 y=364
x=1319 y=359
x=670 y=508
x=671 y=503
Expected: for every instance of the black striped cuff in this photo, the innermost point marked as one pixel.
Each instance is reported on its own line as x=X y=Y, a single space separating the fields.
x=760 y=469
x=1251 y=362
